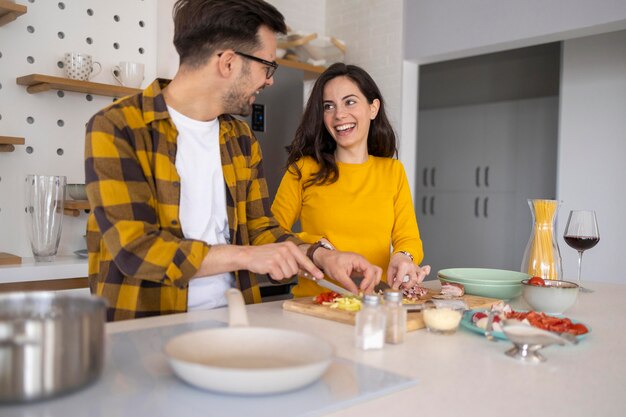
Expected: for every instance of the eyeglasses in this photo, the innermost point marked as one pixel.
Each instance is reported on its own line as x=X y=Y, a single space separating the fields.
x=272 y=66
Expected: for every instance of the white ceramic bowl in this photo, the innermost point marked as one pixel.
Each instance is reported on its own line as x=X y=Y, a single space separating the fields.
x=555 y=298
x=76 y=191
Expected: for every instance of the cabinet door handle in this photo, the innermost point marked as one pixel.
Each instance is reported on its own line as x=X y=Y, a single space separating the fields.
x=432 y=205
x=476 y=207
x=432 y=176
x=424 y=205
x=477 y=176
x=485 y=206
x=425 y=177
x=487 y=176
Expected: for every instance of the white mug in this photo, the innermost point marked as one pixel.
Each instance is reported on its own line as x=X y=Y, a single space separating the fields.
x=80 y=66
x=128 y=74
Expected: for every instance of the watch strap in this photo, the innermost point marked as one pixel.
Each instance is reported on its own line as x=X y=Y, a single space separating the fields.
x=315 y=246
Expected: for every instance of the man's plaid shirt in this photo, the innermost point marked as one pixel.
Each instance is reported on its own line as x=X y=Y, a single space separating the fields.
x=138 y=257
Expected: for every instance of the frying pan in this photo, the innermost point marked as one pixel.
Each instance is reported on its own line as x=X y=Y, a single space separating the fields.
x=248 y=360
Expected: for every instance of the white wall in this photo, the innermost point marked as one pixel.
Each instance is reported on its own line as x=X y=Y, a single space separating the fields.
x=307 y=16
x=372 y=31
x=56 y=133
x=592 y=137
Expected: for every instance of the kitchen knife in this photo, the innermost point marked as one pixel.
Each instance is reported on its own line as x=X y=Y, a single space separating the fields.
x=329 y=285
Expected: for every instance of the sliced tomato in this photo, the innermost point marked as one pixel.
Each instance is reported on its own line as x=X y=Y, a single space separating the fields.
x=477 y=316
x=326 y=297
x=578 y=328
x=538 y=281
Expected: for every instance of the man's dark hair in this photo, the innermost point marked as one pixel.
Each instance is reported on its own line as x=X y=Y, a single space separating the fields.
x=201 y=27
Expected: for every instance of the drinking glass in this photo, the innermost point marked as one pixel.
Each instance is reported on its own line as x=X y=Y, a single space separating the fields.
x=45 y=197
x=581 y=233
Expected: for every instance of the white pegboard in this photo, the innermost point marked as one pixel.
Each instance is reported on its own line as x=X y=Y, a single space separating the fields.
x=45 y=33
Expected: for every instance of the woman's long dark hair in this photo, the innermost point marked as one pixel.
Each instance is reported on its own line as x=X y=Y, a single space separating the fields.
x=312 y=139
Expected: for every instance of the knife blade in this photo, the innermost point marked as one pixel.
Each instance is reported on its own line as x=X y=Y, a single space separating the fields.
x=379 y=288
x=329 y=285
x=336 y=288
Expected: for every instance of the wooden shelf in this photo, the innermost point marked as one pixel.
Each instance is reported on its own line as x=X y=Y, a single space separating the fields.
x=73 y=207
x=310 y=71
x=10 y=11
x=37 y=83
x=7 y=143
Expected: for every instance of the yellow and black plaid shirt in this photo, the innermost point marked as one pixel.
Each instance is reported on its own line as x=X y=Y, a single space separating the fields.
x=138 y=257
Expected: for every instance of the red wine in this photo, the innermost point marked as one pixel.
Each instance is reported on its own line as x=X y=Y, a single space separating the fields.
x=581 y=243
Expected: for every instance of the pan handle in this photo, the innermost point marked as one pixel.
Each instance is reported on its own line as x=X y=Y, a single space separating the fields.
x=237 y=316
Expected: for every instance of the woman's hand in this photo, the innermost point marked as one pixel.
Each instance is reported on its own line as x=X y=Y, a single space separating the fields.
x=404 y=273
x=340 y=266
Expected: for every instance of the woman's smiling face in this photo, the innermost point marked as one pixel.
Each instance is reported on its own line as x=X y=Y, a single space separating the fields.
x=347 y=114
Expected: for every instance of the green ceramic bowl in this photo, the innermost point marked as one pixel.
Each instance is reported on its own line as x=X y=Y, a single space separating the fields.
x=500 y=291
x=486 y=282
x=483 y=275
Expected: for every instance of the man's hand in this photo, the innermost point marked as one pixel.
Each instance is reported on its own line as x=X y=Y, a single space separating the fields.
x=340 y=266
x=402 y=271
x=278 y=260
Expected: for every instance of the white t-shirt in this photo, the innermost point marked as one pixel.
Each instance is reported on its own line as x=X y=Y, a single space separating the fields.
x=202 y=201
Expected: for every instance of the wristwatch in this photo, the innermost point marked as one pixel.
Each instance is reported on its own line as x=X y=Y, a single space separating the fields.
x=316 y=246
x=406 y=253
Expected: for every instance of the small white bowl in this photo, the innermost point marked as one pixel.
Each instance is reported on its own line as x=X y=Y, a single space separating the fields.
x=555 y=298
x=443 y=320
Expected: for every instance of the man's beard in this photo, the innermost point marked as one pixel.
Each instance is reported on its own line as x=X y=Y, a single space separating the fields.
x=236 y=100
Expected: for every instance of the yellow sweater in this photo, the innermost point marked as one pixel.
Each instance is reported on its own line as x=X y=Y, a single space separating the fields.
x=368 y=211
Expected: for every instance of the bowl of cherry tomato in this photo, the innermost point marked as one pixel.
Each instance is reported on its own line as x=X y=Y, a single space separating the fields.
x=549 y=296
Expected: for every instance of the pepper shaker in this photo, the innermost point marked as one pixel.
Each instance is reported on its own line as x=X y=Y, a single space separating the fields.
x=396 y=317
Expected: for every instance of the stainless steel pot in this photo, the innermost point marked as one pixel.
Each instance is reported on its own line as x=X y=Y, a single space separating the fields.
x=50 y=344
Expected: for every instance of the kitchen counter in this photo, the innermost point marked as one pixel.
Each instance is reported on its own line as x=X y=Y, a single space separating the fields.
x=65 y=272
x=460 y=374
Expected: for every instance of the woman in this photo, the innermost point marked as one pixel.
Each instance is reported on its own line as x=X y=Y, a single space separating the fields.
x=343 y=184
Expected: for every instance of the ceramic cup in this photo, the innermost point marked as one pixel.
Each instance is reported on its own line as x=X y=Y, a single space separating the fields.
x=80 y=66
x=128 y=74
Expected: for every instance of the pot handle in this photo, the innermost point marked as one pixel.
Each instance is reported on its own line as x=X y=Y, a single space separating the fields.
x=237 y=316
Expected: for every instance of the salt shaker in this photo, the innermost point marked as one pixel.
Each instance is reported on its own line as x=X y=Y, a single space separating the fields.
x=396 y=317
x=370 y=324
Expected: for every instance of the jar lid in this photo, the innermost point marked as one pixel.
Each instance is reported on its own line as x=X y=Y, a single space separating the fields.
x=371 y=299
x=393 y=295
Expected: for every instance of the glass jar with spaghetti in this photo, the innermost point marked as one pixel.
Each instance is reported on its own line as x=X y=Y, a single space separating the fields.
x=542 y=257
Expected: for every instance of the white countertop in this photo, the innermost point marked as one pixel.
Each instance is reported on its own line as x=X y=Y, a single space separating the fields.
x=464 y=374
x=61 y=268
x=433 y=375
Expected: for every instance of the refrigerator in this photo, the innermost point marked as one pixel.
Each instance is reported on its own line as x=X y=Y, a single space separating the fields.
x=276 y=115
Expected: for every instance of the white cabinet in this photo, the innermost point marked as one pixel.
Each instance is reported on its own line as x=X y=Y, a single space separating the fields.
x=472 y=181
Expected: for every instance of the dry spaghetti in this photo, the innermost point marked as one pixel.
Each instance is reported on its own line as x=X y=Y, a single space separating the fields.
x=543 y=258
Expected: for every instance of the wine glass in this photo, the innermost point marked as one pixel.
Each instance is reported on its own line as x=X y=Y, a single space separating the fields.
x=581 y=233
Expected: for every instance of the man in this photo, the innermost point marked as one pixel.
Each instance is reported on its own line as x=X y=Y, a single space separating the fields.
x=176 y=184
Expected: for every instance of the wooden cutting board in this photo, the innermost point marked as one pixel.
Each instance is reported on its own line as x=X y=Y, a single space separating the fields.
x=306 y=305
